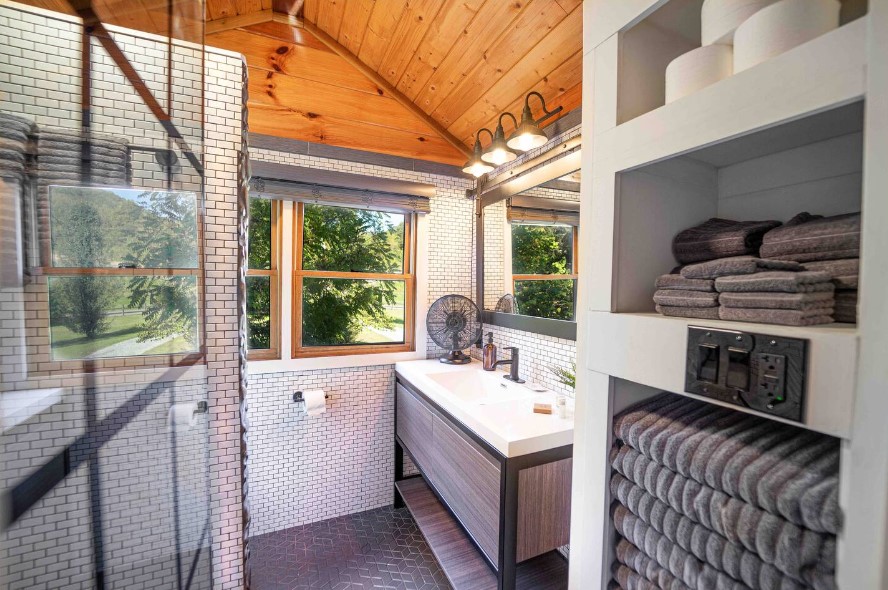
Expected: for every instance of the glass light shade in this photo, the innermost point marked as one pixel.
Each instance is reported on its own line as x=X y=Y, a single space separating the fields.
x=476 y=166
x=498 y=153
x=527 y=137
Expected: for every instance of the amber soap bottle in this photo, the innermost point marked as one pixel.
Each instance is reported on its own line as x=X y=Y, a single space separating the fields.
x=489 y=355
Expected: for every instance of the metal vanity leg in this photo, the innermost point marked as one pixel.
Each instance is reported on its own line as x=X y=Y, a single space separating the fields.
x=508 y=526
x=399 y=474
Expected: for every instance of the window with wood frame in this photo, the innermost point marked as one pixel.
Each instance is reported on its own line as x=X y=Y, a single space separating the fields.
x=122 y=272
x=354 y=281
x=263 y=280
x=544 y=272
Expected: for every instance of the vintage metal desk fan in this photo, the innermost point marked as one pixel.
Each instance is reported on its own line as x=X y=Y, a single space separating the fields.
x=454 y=324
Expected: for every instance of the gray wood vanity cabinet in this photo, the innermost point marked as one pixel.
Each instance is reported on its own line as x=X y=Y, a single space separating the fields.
x=512 y=509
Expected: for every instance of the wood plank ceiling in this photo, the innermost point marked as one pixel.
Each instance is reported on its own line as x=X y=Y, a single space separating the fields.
x=403 y=77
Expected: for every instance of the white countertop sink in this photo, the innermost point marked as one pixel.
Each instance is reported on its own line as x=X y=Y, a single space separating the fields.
x=497 y=410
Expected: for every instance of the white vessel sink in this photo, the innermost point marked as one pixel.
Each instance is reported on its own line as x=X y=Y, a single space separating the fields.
x=480 y=387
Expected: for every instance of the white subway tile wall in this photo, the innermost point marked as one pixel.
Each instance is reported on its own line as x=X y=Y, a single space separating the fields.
x=51 y=545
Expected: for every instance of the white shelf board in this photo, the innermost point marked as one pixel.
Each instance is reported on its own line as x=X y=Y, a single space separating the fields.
x=824 y=73
x=650 y=349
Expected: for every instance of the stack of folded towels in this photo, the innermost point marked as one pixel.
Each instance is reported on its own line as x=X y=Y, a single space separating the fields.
x=802 y=273
x=15 y=135
x=706 y=498
x=823 y=244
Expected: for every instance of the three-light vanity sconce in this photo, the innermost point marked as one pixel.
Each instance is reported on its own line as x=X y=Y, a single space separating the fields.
x=527 y=135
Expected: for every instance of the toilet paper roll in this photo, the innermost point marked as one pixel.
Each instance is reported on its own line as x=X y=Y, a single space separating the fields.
x=697 y=69
x=314 y=402
x=720 y=18
x=780 y=27
x=181 y=417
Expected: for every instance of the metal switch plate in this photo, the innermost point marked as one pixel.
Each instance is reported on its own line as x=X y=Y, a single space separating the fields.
x=757 y=371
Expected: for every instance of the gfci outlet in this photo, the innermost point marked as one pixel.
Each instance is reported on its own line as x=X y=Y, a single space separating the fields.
x=771 y=378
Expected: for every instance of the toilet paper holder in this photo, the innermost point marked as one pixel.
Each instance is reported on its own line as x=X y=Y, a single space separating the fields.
x=298 y=399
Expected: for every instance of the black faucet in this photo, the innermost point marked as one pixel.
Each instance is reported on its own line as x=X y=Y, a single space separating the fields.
x=513 y=365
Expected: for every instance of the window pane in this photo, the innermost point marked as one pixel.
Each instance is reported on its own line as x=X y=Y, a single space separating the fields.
x=258 y=312
x=260 y=234
x=337 y=312
x=110 y=228
x=352 y=240
x=111 y=316
x=542 y=249
x=546 y=299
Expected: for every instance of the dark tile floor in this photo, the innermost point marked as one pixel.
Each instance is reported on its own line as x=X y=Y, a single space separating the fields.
x=380 y=548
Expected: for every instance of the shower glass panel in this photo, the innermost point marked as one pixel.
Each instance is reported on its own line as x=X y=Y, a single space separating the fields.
x=103 y=381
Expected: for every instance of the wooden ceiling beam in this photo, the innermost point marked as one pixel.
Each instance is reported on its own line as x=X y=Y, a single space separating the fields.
x=385 y=86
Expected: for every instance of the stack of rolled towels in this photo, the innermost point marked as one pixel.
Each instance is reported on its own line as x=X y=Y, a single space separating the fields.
x=706 y=498
x=765 y=272
x=829 y=245
x=15 y=137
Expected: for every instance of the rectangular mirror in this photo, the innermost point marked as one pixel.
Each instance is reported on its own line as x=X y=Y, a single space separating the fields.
x=529 y=249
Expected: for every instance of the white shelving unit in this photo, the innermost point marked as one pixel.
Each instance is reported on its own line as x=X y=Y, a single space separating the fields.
x=804 y=131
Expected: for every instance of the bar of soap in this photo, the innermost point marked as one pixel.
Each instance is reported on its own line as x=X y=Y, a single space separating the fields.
x=542 y=408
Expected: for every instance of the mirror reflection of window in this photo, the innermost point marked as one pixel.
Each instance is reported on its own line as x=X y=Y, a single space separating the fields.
x=543 y=271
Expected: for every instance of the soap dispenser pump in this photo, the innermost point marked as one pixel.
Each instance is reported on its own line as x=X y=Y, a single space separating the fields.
x=489 y=355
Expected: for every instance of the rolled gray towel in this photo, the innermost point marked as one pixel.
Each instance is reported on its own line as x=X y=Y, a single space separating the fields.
x=693 y=572
x=735 y=455
x=736 y=265
x=772 y=300
x=632 y=557
x=781 y=317
x=678 y=282
x=844 y=272
x=802 y=562
x=720 y=238
x=740 y=522
x=776 y=280
x=700 y=313
x=825 y=238
x=846 y=306
x=631 y=580
x=683 y=298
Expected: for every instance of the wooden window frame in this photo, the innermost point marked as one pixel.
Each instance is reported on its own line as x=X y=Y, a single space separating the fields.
x=47 y=270
x=574 y=276
x=274 y=351
x=408 y=275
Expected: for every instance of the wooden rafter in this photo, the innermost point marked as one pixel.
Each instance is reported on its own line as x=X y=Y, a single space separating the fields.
x=385 y=86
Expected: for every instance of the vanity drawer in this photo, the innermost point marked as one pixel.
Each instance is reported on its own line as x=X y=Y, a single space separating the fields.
x=465 y=475
x=414 y=426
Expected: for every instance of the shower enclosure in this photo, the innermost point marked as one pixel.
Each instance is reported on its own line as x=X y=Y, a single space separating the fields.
x=104 y=450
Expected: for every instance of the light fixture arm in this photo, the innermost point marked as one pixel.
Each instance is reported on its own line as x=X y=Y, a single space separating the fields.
x=527 y=114
x=478 y=134
x=500 y=121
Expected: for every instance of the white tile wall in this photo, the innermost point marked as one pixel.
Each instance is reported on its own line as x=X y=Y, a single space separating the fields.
x=50 y=547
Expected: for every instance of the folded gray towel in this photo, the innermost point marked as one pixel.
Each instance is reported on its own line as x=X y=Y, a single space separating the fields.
x=799 y=301
x=825 y=238
x=632 y=557
x=699 y=313
x=684 y=298
x=844 y=272
x=695 y=573
x=736 y=265
x=780 y=317
x=776 y=280
x=732 y=452
x=768 y=535
x=678 y=282
x=719 y=238
x=802 y=563
x=846 y=306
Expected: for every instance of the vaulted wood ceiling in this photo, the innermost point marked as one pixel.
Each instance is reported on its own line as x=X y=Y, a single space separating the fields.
x=413 y=78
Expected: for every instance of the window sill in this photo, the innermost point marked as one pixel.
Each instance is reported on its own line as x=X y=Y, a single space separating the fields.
x=332 y=362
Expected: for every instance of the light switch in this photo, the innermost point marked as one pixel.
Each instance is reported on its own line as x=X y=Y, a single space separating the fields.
x=738 y=369
x=707 y=363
